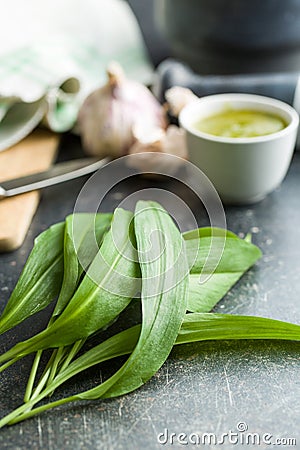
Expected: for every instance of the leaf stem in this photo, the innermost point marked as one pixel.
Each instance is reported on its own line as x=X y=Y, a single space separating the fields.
x=9 y=363
x=32 y=375
x=59 y=354
x=72 y=353
x=34 y=369
x=44 y=377
x=27 y=414
x=41 y=384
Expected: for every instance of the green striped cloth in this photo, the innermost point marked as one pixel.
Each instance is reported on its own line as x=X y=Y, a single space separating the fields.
x=46 y=81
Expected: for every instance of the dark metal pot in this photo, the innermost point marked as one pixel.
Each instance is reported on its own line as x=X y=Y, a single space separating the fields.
x=233 y=36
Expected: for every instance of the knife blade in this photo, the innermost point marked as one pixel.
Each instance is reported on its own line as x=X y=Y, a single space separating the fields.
x=58 y=173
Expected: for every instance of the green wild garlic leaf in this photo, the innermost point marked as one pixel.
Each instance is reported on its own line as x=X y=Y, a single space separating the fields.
x=40 y=280
x=106 y=289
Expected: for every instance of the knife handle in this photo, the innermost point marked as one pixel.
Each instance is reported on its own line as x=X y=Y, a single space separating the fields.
x=281 y=86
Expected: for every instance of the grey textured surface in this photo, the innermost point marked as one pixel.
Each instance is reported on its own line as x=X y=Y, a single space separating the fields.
x=208 y=387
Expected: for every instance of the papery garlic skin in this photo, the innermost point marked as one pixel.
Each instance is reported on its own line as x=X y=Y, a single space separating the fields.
x=108 y=115
x=155 y=150
x=177 y=98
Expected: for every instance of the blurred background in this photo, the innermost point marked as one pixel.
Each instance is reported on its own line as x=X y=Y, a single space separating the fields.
x=219 y=36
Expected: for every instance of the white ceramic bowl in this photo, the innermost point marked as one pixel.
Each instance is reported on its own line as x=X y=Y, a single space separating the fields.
x=243 y=170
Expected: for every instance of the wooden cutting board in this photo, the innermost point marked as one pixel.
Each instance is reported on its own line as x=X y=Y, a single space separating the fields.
x=33 y=154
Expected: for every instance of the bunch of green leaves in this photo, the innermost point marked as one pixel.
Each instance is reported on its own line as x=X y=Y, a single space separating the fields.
x=182 y=278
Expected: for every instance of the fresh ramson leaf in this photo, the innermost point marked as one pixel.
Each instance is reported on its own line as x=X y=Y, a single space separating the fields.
x=164 y=290
x=44 y=276
x=237 y=256
x=86 y=231
x=162 y=257
x=118 y=345
x=70 y=269
x=97 y=301
x=210 y=327
x=210 y=292
x=210 y=232
x=40 y=280
x=215 y=256
x=218 y=284
x=196 y=327
x=33 y=293
x=202 y=298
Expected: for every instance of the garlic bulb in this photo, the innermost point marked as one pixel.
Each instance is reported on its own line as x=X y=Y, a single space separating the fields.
x=108 y=115
x=165 y=142
x=177 y=98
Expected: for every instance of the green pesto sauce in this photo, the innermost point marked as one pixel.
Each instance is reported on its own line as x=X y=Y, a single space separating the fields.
x=240 y=124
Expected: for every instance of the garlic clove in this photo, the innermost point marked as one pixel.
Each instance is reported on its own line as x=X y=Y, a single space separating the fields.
x=145 y=135
x=155 y=149
x=177 y=98
x=175 y=142
x=108 y=115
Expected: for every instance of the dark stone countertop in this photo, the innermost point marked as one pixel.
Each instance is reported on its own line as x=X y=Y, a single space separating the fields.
x=206 y=387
